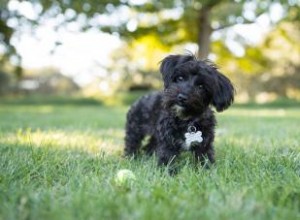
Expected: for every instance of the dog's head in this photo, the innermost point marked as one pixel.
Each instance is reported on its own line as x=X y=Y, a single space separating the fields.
x=191 y=85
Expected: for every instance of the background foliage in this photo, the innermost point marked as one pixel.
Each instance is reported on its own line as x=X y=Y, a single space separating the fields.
x=150 y=30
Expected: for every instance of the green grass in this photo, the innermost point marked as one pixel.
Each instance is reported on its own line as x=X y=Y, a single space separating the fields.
x=60 y=161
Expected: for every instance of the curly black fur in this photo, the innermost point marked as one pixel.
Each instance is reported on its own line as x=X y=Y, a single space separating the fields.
x=191 y=86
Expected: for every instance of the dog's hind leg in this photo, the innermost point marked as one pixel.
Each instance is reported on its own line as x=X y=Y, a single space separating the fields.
x=134 y=135
x=150 y=146
x=140 y=122
x=133 y=140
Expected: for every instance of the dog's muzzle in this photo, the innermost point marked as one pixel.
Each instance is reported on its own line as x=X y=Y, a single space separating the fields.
x=181 y=99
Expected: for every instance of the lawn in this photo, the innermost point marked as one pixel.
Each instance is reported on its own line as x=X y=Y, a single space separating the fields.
x=59 y=161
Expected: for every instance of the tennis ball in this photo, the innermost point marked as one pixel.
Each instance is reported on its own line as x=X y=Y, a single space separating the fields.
x=124 y=177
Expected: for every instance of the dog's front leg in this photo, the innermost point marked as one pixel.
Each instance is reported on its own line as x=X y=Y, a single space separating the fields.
x=167 y=148
x=204 y=152
x=166 y=157
x=203 y=155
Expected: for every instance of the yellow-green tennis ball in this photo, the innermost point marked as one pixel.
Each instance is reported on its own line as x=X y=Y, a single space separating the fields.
x=124 y=177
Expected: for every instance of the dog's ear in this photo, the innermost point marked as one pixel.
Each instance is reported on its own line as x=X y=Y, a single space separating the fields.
x=223 y=94
x=168 y=65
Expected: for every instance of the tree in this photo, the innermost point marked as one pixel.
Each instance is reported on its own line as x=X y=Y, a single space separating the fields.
x=269 y=68
x=173 y=21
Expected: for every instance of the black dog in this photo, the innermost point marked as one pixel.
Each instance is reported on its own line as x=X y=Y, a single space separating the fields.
x=179 y=118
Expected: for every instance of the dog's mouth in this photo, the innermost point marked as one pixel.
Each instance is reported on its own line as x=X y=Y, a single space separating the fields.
x=186 y=109
x=187 y=104
x=181 y=104
x=183 y=107
x=178 y=110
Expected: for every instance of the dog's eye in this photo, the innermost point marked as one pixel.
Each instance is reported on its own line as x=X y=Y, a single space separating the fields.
x=179 y=79
x=200 y=86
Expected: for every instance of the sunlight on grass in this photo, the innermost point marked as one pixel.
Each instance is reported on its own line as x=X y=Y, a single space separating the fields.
x=105 y=140
x=46 y=109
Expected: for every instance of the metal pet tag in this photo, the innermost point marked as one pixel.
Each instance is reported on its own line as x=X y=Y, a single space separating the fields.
x=193 y=136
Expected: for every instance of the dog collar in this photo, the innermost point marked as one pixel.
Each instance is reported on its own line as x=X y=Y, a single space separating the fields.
x=192 y=136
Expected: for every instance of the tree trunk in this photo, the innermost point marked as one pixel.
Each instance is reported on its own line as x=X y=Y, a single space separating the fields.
x=204 y=32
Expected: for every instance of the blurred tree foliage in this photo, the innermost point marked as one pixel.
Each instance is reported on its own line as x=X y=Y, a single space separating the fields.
x=271 y=67
x=4 y=83
x=138 y=62
x=173 y=21
x=50 y=82
x=153 y=27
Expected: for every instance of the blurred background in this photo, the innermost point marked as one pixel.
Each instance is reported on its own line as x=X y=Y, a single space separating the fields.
x=110 y=50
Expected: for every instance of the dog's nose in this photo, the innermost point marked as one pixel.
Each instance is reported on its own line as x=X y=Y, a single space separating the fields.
x=181 y=97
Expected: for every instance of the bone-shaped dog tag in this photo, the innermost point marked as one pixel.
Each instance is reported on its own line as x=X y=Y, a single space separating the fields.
x=193 y=136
